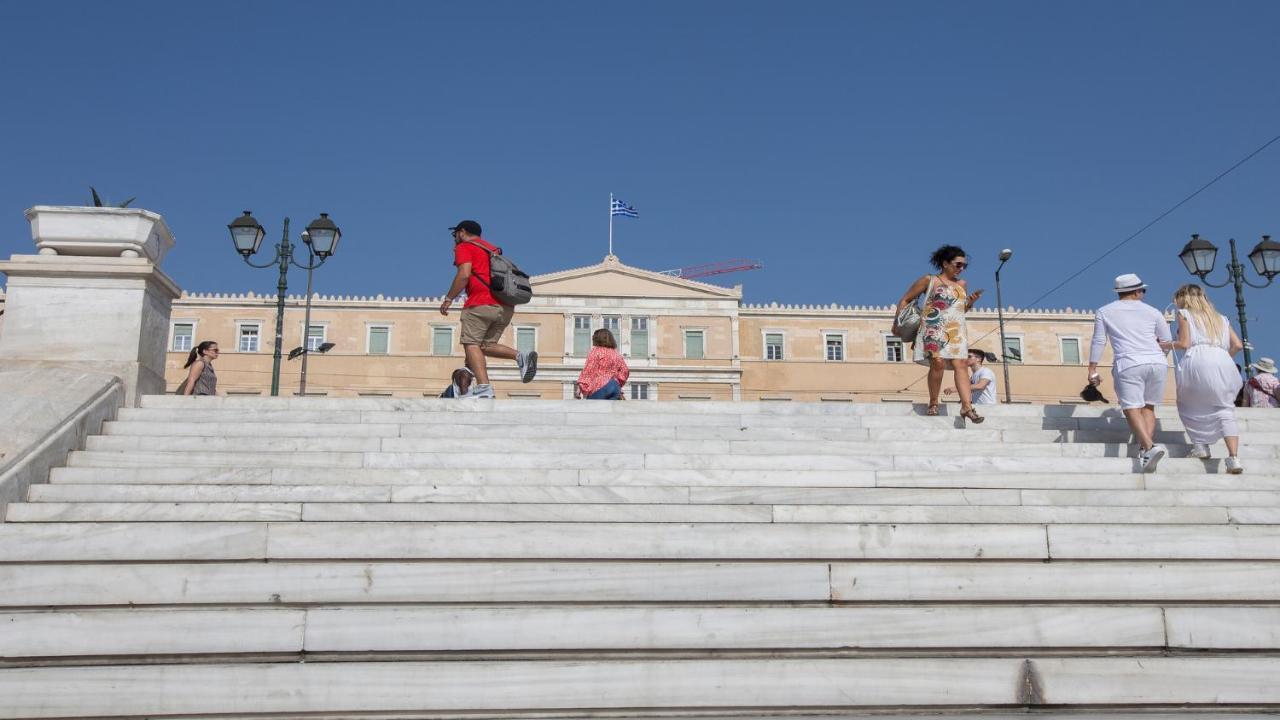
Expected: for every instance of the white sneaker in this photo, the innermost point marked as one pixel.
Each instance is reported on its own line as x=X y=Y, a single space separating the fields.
x=1199 y=451
x=483 y=391
x=528 y=364
x=1152 y=457
x=1233 y=465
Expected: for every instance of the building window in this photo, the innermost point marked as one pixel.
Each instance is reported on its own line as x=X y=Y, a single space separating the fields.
x=773 y=346
x=581 y=334
x=526 y=339
x=1070 y=351
x=249 y=338
x=613 y=323
x=441 y=341
x=315 y=337
x=893 y=349
x=835 y=348
x=379 y=340
x=639 y=391
x=182 y=335
x=693 y=344
x=1013 y=349
x=639 y=337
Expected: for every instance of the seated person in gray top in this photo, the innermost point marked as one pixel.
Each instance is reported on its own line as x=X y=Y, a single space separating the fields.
x=1138 y=333
x=982 y=382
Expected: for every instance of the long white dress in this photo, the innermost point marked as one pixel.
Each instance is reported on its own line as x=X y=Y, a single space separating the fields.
x=1208 y=381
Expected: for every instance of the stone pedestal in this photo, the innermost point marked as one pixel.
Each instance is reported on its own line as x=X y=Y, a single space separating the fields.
x=104 y=314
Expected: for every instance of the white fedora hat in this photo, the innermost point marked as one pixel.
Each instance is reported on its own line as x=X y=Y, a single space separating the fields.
x=1129 y=282
x=1266 y=365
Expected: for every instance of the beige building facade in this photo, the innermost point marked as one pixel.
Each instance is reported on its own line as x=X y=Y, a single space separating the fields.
x=684 y=340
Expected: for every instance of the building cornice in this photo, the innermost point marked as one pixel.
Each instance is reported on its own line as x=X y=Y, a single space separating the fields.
x=887 y=311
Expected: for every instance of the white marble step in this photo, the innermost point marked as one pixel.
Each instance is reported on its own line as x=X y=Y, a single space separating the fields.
x=385 y=629
x=1162 y=498
x=213 y=443
x=664 y=415
x=972 y=433
x=1002 y=514
x=525 y=405
x=948 y=626
x=31 y=634
x=136 y=493
x=146 y=512
x=1072 y=481
x=1176 y=542
x=138 y=428
x=1057 y=581
x=215 y=475
x=623 y=477
x=388 y=493
x=231 y=583
x=60 y=492
x=44 y=512
x=686 y=685
x=940 y=463
x=50 y=542
x=953 y=496
x=331 y=582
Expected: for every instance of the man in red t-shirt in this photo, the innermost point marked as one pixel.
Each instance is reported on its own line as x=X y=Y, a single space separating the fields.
x=483 y=318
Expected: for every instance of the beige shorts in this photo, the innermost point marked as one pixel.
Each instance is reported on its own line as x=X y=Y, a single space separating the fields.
x=483 y=324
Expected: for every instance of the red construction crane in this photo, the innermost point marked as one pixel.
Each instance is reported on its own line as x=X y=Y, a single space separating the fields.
x=715 y=268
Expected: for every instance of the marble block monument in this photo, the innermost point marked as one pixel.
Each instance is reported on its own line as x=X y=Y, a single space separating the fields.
x=94 y=297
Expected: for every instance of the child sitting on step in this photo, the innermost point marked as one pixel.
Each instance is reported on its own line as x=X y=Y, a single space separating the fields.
x=605 y=372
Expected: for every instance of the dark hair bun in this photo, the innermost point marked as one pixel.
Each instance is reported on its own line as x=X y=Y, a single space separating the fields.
x=945 y=254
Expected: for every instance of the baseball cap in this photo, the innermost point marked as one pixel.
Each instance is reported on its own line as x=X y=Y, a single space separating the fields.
x=471 y=226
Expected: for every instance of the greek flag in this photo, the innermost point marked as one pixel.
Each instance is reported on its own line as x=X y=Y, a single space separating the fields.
x=621 y=208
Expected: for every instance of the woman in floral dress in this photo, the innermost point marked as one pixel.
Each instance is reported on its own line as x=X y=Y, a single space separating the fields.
x=943 y=340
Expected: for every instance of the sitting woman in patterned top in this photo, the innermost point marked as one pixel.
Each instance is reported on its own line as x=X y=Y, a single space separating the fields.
x=605 y=372
x=942 y=340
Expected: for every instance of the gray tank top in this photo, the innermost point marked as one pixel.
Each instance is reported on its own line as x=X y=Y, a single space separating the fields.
x=207 y=381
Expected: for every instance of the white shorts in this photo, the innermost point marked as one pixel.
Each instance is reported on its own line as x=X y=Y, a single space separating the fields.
x=1140 y=386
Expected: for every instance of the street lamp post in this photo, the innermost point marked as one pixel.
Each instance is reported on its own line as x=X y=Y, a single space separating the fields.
x=1004 y=346
x=321 y=238
x=1199 y=256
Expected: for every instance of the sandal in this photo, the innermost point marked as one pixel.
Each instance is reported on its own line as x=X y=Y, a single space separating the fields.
x=932 y=411
x=972 y=415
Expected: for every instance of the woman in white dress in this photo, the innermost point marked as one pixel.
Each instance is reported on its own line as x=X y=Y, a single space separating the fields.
x=1207 y=377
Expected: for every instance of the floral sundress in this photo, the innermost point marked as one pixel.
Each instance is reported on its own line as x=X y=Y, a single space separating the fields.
x=943 y=333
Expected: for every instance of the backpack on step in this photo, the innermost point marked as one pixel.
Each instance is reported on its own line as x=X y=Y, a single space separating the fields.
x=509 y=284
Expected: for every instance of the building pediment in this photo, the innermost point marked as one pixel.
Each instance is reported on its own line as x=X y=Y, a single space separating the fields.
x=611 y=278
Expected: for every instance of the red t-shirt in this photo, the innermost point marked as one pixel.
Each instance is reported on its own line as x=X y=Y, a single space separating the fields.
x=477 y=292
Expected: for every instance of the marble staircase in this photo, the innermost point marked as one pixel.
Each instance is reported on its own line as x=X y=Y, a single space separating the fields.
x=323 y=558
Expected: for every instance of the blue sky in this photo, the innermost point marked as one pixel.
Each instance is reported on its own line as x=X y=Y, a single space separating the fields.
x=838 y=143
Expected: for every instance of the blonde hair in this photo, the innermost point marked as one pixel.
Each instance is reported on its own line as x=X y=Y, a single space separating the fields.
x=1192 y=299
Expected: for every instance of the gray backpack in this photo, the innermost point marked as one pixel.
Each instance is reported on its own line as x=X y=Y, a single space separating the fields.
x=509 y=284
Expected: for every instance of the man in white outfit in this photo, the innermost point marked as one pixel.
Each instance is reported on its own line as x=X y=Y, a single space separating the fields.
x=1136 y=332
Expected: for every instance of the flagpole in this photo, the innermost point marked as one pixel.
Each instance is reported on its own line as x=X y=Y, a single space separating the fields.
x=610 y=223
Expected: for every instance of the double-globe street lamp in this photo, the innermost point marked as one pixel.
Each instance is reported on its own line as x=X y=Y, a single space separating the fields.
x=321 y=238
x=1199 y=256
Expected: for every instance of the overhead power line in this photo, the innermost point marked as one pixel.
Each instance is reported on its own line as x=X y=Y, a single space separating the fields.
x=1124 y=242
